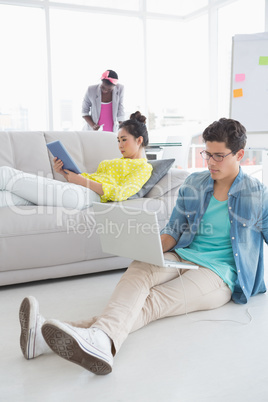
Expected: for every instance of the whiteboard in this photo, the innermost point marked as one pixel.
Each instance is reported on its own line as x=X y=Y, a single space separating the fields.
x=249 y=81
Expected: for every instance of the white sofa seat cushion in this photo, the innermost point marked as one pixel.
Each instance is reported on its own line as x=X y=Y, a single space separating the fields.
x=34 y=236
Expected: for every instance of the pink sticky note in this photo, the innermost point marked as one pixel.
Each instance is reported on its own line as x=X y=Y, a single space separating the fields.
x=239 y=77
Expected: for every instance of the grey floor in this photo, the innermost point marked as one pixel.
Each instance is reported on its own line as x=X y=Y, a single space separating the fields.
x=179 y=359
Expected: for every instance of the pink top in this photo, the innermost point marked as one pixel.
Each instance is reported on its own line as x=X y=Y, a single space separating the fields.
x=106 y=116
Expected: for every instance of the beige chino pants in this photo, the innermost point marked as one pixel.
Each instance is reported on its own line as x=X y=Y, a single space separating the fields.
x=147 y=293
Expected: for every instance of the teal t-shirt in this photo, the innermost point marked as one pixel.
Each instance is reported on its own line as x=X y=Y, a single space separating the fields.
x=211 y=247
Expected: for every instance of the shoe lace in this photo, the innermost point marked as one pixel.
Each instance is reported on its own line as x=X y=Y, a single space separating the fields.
x=88 y=334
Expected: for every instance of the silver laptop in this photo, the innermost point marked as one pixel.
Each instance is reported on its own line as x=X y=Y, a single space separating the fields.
x=132 y=233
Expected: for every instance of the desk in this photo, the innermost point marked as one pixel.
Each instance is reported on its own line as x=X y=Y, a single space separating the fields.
x=163 y=144
x=154 y=147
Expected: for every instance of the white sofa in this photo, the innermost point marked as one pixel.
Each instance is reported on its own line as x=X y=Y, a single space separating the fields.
x=38 y=242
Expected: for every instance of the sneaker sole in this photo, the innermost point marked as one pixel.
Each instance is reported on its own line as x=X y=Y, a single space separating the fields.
x=28 y=324
x=67 y=347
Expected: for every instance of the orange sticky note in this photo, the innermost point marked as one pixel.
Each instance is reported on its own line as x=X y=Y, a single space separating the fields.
x=238 y=92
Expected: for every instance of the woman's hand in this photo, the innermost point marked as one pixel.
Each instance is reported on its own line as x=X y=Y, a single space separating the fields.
x=91 y=123
x=70 y=176
x=74 y=178
x=58 y=164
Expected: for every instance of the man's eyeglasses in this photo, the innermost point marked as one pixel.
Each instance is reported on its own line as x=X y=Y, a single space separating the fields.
x=216 y=157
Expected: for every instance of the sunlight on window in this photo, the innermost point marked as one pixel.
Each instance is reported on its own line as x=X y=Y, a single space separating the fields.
x=119 y=4
x=80 y=55
x=177 y=71
x=168 y=76
x=23 y=94
x=172 y=7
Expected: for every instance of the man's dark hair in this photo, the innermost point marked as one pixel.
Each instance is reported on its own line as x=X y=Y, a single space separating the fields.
x=229 y=131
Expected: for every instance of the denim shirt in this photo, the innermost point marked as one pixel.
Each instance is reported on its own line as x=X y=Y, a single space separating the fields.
x=248 y=214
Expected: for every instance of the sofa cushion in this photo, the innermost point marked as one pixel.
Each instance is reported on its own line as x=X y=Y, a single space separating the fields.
x=32 y=237
x=173 y=179
x=25 y=151
x=160 y=168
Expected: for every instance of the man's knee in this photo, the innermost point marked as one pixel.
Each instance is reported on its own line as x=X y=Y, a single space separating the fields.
x=144 y=266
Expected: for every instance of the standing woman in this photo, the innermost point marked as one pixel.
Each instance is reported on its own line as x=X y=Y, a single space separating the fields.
x=103 y=104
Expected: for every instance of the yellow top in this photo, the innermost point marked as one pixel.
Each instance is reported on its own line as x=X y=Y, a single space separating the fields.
x=121 y=178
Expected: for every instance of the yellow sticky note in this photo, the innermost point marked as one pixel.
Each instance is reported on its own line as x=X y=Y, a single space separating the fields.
x=238 y=92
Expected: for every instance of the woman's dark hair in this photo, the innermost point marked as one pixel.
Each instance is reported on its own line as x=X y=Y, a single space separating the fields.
x=136 y=126
x=112 y=74
x=229 y=131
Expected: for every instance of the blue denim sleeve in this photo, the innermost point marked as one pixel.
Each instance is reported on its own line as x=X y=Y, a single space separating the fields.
x=194 y=193
x=177 y=219
x=263 y=220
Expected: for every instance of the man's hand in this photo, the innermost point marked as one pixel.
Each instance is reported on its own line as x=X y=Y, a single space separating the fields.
x=168 y=242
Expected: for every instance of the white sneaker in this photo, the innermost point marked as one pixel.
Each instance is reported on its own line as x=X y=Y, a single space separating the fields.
x=90 y=348
x=32 y=342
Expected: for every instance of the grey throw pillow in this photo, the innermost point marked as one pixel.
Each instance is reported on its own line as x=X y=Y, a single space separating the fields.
x=160 y=168
x=172 y=180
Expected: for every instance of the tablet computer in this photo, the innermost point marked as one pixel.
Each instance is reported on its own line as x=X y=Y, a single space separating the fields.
x=58 y=150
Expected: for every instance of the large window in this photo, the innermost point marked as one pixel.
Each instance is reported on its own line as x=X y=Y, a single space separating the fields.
x=181 y=7
x=52 y=50
x=177 y=60
x=119 y=4
x=82 y=49
x=23 y=69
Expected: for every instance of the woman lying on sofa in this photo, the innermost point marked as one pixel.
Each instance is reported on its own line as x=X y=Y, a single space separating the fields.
x=115 y=180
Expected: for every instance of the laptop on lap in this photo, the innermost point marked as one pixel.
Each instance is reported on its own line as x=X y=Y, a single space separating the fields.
x=132 y=233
